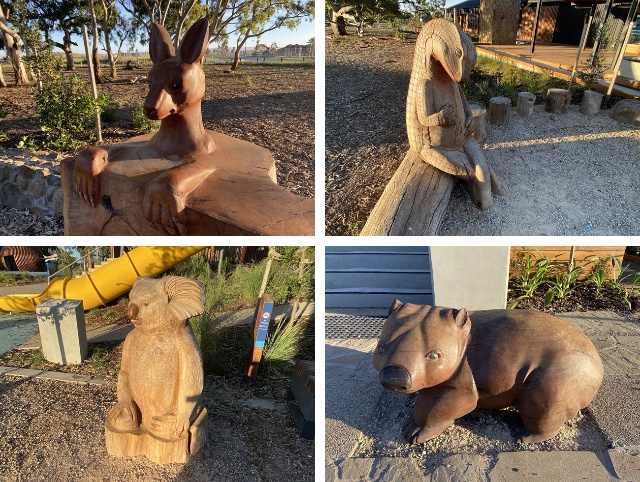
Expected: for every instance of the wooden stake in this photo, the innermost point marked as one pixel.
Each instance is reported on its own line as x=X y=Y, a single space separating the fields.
x=92 y=77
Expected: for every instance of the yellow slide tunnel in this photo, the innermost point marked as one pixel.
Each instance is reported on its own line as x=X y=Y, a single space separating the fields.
x=107 y=282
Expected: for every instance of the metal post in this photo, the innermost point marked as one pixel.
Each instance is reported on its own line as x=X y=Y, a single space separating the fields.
x=583 y=40
x=92 y=77
x=535 y=26
x=619 y=60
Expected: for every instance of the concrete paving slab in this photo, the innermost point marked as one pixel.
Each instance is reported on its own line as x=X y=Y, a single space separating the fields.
x=553 y=466
x=382 y=469
x=616 y=409
x=353 y=394
x=60 y=376
x=15 y=329
x=463 y=468
x=626 y=463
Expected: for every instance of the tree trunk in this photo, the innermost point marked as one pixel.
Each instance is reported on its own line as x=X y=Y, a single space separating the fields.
x=236 y=54
x=413 y=202
x=338 y=24
x=66 y=47
x=12 y=45
x=3 y=83
x=107 y=41
x=97 y=69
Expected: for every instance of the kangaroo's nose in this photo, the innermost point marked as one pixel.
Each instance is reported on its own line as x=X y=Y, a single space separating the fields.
x=395 y=377
x=132 y=312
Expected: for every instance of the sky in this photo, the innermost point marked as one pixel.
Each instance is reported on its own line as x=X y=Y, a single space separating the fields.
x=282 y=37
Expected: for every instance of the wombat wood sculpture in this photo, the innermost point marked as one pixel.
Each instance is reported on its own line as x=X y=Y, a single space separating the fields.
x=159 y=412
x=457 y=361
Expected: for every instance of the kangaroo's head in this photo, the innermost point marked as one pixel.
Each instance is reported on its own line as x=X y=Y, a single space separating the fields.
x=176 y=82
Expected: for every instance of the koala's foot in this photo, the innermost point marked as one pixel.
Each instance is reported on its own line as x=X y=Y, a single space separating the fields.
x=168 y=425
x=123 y=416
x=417 y=434
x=89 y=164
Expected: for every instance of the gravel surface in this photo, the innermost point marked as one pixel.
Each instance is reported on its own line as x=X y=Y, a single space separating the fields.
x=54 y=431
x=564 y=175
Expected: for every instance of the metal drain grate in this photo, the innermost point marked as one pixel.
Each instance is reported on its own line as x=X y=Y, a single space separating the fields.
x=350 y=326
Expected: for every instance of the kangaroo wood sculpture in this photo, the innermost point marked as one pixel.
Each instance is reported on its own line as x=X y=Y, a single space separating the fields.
x=175 y=93
x=439 y=120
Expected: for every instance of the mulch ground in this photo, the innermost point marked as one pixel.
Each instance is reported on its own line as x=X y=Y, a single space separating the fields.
x=271 y=106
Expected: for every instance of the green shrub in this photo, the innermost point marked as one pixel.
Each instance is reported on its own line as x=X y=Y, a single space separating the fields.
x=142 y=123
x=66 y=109
x=109 y=108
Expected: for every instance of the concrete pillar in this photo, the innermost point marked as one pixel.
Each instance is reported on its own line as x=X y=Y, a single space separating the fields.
x=471 y=277
x=499 y=21
x=62 y=331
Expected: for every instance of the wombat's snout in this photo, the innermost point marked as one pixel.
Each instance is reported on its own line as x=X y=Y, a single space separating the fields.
x=395 y=377
x=132 y=312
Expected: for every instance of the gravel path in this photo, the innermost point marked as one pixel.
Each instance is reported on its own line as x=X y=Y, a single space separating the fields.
x=568 y=175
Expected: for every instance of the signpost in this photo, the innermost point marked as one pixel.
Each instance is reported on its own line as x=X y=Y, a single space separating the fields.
x=261 y=322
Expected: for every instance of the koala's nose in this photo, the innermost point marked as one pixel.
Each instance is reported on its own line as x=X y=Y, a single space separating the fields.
x=132 y=312
x=395 y=377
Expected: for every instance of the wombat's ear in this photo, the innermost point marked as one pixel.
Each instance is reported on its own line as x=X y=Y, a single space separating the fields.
x=462 y=318
x=160 y=44
x=195 y=42
x=186 y=296
x=396 y=304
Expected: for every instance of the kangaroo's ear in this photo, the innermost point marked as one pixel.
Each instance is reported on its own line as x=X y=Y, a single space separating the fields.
x=160 y=44
x=195 y=42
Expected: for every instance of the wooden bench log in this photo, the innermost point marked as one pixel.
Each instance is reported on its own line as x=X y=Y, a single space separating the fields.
x=414 y=201
x=557 y=101
x=240 y=198
x=499 y=111
x=526 y=101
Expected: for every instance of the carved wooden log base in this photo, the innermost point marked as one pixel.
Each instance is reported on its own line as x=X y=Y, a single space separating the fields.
x=557 y=101
x=526 y=101
x=240 y=197
x=591 y=102
x=499 y=111
x=479 y=121
x=413 y=202
x=131 y=443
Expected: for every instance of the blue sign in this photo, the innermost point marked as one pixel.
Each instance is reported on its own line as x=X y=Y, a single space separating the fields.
x=263 y=326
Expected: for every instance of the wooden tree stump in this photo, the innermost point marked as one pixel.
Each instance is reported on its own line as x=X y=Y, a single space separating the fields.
x=526 y=101
x=413 y=202
x=557 y=101
x=479 y=121
x=591 y=102
x=499 y=111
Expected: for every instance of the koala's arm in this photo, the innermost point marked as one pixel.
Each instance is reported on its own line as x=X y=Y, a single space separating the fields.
x=191 y=380
x=124 y=390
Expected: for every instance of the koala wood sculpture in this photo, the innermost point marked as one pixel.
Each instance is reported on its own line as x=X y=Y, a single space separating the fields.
x=456 y=361
x=159 y=412
x=440 y=130
x=183 y=179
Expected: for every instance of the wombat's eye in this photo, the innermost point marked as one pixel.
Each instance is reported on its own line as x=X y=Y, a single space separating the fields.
x=432 y=356
x=176 y=86
x=146 y=303
x=380 y=350
x=458 y=53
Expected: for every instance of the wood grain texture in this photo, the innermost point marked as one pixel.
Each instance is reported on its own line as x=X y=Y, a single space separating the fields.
x=413 y=202
x=240 y=197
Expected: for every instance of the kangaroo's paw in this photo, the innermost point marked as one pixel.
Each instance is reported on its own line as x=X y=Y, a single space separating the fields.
x=165 y=209
x=89 y=164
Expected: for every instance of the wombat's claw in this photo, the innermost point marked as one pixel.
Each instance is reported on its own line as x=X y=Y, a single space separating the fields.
x=411 y=431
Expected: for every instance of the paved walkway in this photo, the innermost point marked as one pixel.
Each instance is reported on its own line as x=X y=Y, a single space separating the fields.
x=363 y=423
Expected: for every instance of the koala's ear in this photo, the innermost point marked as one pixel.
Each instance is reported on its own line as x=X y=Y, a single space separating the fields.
x=186 y=296
x=396 y=304
x=137 y=280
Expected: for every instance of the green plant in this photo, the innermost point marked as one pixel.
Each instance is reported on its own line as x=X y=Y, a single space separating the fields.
x=562 y=283
x=66 y=109
x=248 y=81
x=530 y=272
x=282 y=342
x=109 y=108
x=141 y=122
x=599 y=278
